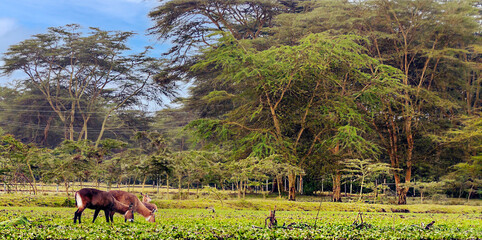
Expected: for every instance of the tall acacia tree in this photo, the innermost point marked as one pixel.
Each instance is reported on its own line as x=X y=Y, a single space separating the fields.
x=430 y=42
x=422 y=38
x=434 y=43
x=292 y=96
x=18 y=161
x=78 y=72
x=190 y=25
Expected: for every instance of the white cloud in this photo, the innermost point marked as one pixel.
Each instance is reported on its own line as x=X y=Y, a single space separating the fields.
x=6 y=26
x=11 y=32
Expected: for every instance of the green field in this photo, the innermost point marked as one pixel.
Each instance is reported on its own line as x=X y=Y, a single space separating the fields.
x=235 y=219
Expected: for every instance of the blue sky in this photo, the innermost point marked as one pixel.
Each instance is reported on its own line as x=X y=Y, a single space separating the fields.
x=20 y=19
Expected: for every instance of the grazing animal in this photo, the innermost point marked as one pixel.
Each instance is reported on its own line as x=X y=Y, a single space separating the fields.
x=100 y=200
x=137 y=205
x=146 y=198
x=146 y=201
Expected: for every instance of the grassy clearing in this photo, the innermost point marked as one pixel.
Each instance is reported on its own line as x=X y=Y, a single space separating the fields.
x=283 y=205
x=60 y=200
x=24 y=216
x=55 y=223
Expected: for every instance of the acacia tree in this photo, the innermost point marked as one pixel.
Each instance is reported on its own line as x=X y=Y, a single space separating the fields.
x=467 y=174
x=283 y=87
x=364 y=170
x=191 y=24
x=432 y=42
x=423 y=39
x=428 y=188
x=155 y=154
x=19 y=161
x=77 y=71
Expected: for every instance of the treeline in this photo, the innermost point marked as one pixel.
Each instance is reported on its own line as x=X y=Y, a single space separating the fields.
x=114 y=163
x=295 y=89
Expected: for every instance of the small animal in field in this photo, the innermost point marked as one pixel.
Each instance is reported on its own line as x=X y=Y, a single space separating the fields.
x=137 y=205
x=146 y=201
x=100 y=200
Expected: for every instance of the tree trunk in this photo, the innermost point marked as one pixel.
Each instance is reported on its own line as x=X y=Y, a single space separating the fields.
x=361 y=189
x=279 y=186
x=16 y=183
x=337 y=186
x=376 y=189
x=292 y=189
x=144 y=182
x=351 y=186
x=238 y=186
x=188 y=187
x=322 y=185
x=244 y=189
x=158 y=183
x=300 y=187
x=34 y=185
x=470 y=192
x=402 y=195
x=83 y=133
x=67 y=188
x=46 y=130
x=179 y=178
x=167 y=187
x=384 y=186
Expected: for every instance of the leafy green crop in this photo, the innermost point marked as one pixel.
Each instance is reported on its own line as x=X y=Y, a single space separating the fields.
x=56 y=223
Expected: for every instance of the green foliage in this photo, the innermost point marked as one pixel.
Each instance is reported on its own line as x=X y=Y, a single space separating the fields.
x=364 y=170
x=468 y=134
x=209 y=129
x=19 y=160
x=300 y=95
x=216 y=96
x=466 y=176
x=428 y=188
x=348 y=138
